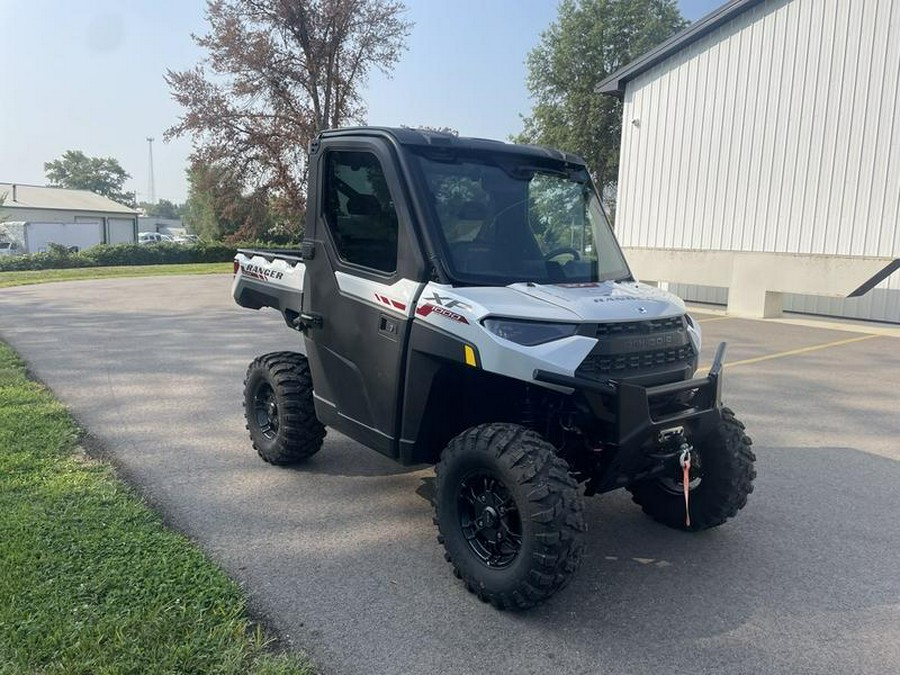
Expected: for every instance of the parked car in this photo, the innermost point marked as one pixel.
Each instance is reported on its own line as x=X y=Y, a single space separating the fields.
x=9 y=248
x=149 y=237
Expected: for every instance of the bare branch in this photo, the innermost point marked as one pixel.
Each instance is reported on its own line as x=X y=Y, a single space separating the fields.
x=277 y=72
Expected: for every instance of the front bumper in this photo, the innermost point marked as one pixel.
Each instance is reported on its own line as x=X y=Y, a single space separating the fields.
x=638 y=417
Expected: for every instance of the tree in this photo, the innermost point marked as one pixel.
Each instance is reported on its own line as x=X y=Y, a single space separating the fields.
x=161 y=209
x=276 y=73
x=102 y=175
x=440 y=130
x=217 y=208
x=590 y=40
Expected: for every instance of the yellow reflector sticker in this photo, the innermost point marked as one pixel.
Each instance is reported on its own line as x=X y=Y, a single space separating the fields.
x=470 y=356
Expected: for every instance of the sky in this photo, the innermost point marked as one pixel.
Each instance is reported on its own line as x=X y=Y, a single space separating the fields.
x=88 y=76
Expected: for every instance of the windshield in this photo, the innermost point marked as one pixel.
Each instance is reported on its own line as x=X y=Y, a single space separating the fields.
x=506 y=219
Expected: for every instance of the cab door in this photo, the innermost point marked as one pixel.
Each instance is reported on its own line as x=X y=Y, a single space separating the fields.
x=363 y=276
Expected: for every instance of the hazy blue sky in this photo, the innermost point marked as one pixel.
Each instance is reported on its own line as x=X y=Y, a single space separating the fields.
x=89 y=75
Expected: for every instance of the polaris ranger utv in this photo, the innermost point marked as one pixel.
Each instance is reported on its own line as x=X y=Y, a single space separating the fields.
x=464 y=302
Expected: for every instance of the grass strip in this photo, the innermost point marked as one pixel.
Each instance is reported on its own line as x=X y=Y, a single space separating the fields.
x=44 y=276
x=91 y=581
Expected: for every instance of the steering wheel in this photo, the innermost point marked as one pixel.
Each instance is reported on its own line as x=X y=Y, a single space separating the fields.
x=563 y=251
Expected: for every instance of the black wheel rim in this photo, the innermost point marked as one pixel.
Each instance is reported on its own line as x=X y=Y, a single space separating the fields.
x=673 y=482
x=489 y=519
x=265 y=409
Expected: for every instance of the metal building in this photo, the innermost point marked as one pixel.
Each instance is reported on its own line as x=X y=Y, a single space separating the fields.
x=769 y=126
x=69 y=211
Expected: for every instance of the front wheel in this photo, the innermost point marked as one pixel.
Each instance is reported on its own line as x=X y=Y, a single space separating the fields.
x=509 y=515
x=279 y=408
x=720 y=480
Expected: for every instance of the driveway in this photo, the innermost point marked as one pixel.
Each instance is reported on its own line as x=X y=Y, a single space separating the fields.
x=341 y=555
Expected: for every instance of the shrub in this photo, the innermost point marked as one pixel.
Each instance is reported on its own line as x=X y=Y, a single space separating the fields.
x=106 y=255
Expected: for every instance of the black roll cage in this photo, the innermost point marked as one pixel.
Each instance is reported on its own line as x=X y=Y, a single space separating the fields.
x=405 y=143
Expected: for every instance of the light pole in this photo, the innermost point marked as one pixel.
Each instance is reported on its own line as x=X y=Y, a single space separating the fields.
x=152 y=185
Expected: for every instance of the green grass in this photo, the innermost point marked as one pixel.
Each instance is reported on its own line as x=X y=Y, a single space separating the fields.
x=44 y=276
x=91 y=581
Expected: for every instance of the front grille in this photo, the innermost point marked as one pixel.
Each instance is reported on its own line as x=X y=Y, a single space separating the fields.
x=674 y=323
x=658 y=349
x=602 y=366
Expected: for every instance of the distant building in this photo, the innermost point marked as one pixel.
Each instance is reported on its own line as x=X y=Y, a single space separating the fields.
x=65 y=216
x=174 y=227
x=767 y=132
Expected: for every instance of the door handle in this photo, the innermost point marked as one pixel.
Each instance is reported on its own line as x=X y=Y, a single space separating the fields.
x=306 y=321
x=388 y=327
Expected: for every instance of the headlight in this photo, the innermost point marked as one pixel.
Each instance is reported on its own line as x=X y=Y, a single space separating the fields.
x=694 y=332
x=529 y=333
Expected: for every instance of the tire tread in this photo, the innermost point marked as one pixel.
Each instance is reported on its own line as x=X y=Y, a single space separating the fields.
x=300 y=433
x=553 y=501
x=724 y=495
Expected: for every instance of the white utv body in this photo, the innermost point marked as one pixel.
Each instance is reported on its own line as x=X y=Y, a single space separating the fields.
x=464 y=302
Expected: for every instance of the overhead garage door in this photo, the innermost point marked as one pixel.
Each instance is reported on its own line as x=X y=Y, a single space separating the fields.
x=121 y=231
x=39 y=236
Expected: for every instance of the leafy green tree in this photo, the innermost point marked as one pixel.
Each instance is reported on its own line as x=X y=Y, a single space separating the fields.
x=102 y=175
x=218 y=208
x=590 y=40
x=161 y=209
x=557 y=213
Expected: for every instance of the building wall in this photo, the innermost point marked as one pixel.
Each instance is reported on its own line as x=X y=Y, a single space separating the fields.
x=778 y=132
x=55 y=215
x=170 y=226
x=63 y=216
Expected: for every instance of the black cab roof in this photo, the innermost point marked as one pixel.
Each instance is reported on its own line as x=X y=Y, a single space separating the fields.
x=441 y=139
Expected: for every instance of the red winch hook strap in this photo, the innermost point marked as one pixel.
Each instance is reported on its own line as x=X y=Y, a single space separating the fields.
x=686 y=484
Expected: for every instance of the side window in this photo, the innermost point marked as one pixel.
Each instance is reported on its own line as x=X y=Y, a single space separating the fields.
x=359 y=210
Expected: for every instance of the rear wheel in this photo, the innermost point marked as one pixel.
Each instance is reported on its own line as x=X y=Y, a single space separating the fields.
x=721 y=478
x=509 y=515
x=278 y=406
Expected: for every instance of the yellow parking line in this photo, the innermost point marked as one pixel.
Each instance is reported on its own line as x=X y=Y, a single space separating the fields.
x=718 y=318
x=792 y=352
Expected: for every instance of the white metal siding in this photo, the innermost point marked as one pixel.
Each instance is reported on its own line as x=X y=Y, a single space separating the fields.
x=778 y=132
x=713 y=295
x=880 y=304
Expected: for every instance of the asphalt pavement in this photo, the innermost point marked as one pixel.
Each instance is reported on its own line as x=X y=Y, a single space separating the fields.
x=340 y=556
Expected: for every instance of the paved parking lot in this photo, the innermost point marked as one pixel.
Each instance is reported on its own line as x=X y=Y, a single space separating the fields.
x=341 y=555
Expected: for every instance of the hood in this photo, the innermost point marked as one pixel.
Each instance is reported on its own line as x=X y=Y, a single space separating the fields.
x=587 y=302
x=607 y=300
